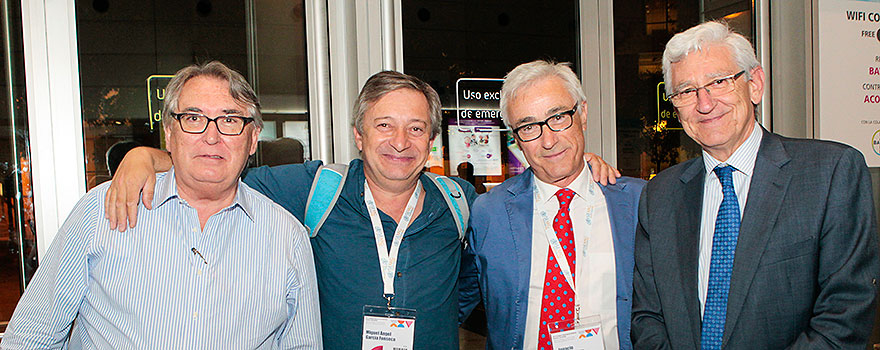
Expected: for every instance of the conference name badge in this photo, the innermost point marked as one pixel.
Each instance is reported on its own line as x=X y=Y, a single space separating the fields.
x=587 y=335
x=388 y=328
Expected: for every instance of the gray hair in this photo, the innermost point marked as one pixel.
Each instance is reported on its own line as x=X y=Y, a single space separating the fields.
x=239 y=89
x=527 y=74
x=703 y=36
x=387 y=81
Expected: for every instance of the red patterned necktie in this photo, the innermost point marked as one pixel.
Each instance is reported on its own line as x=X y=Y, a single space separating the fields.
x=557 y=304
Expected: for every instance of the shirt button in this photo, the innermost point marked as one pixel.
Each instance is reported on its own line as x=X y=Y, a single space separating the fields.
x=399 y=274
x=195 y=315
x=199 y=272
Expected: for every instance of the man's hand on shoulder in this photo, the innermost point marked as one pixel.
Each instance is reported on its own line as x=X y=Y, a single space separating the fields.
x=603 y=173
x=136 y=173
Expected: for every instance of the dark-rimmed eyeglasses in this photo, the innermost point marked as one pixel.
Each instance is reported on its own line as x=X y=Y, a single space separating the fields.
x=197 y=123
x=715 y=88
x=557 y=122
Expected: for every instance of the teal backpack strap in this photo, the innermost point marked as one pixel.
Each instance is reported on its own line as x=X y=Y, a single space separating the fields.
x=455 y=199
x=325 y=190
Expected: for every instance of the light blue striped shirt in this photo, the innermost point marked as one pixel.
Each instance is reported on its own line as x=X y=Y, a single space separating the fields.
x=250 y=286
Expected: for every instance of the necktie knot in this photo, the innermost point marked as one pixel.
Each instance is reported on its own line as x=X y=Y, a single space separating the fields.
x=564 y=196
x=725 y=175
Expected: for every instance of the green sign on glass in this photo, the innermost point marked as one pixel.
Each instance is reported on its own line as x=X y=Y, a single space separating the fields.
x=156 y=98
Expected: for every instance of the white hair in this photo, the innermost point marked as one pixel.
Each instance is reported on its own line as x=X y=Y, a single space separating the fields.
x=703 y=36
x=527 y=74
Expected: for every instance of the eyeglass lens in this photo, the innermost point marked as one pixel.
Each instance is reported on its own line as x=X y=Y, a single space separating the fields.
x=197 y=123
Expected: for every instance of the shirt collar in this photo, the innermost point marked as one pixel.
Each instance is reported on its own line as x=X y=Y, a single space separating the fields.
x=166 y=189
x=743 y=158
x=581 y=186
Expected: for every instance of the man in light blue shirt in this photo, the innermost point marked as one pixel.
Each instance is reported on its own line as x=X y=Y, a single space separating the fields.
x=214 y=264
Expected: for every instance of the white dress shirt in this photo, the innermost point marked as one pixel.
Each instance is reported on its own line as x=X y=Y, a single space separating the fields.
x=743 y=159
x=595 y=279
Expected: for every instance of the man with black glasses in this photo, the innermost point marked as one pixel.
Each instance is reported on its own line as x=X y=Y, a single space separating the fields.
x=553 y=249
x=214 y=265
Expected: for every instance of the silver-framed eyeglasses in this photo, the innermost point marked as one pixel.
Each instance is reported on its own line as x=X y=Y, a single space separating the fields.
x=715 y=88
x=197 y=123
x=557 y=122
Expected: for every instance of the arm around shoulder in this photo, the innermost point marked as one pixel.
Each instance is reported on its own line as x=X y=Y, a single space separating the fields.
x=288 y=185
x=136 y=174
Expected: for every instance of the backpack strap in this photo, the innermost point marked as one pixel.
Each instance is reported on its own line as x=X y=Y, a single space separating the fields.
x=455 y=199
x=325 y=190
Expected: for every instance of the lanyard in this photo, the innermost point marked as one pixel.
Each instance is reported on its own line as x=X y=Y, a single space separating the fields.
x=388 y=259
x=561 y=258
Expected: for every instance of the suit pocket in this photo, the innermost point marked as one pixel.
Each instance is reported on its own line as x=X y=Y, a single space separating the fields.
x=775 y=254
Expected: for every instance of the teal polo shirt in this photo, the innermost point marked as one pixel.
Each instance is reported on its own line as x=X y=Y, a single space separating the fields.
x=347 y=263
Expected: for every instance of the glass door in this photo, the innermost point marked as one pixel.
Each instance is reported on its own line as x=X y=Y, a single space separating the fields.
x=128 y=50
x=464 y=49
x=18 y=251
x=649 y=136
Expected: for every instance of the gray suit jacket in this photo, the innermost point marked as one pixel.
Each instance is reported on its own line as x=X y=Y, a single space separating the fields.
x=806 y=263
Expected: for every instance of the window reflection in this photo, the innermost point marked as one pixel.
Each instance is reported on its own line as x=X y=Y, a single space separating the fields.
x=18 y=250
x=128 y=49
x=445 y=41
x=649 y=136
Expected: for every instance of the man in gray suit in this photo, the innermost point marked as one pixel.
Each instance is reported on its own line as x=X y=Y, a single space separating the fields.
x=764 y=242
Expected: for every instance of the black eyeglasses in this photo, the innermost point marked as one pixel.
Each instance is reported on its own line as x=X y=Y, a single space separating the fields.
x=715 y=88
x=557 y=122
x=197 y=123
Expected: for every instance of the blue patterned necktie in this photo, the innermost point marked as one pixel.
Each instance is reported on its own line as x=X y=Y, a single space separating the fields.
x=721 y=266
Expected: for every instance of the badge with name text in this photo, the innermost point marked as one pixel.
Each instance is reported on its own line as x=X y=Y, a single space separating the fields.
x=587 y=335
x=388 y=328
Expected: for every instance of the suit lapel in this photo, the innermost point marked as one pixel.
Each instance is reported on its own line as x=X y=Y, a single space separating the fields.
x=767 y=189
x=687 y=241
x=620 y=208
x=519 y=206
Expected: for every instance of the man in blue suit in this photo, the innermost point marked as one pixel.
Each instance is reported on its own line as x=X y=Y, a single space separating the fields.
x=552 y=250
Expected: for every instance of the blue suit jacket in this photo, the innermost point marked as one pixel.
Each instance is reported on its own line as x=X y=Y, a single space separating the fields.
x=498 y=258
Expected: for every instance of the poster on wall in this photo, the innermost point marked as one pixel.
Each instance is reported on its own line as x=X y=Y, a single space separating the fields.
x=849 y=75
x=481 y=149
x=475 y=131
